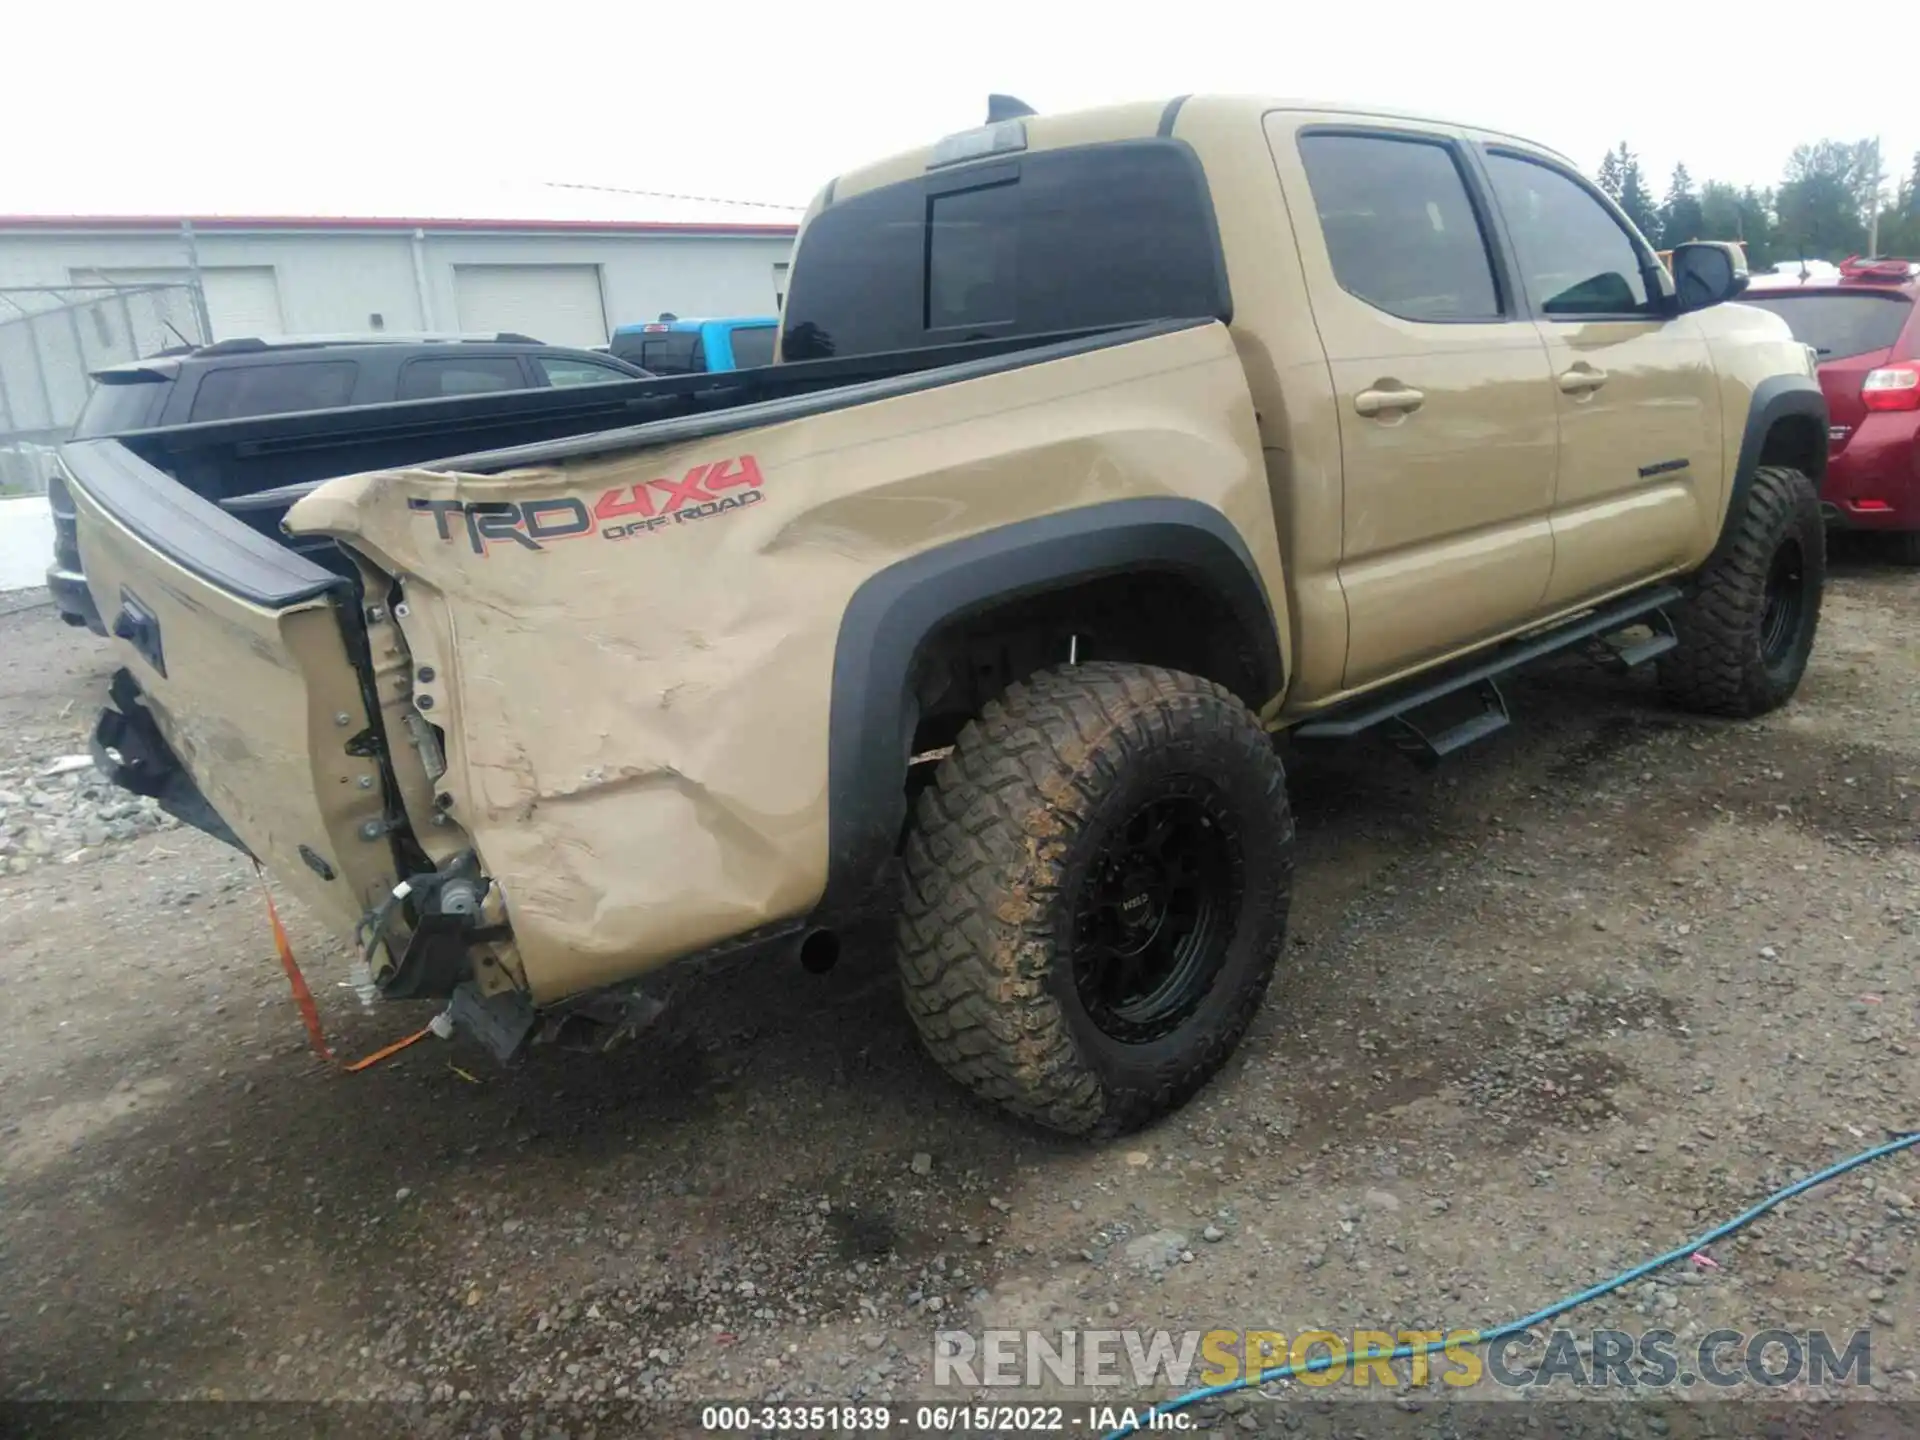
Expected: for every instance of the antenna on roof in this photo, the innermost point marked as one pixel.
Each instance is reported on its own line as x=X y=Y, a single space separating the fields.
x=1005 y=107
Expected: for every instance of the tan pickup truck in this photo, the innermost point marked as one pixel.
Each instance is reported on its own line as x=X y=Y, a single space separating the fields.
x=1101 y=448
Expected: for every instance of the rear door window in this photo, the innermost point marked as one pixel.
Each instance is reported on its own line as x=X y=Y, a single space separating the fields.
x=753 y=346
x=1058 y=241
x=1838 y=326
x=233 y=391
x=439 y=375
x=1400 y=230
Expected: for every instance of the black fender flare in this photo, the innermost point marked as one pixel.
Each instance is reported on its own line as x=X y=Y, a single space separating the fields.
x=1776 y=398
x=892 y=615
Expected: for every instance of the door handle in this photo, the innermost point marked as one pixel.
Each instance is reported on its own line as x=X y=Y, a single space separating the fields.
x=1381 y=402
x=1582 y=380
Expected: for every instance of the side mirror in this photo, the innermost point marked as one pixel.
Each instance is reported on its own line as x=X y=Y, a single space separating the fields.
x=1706 y=272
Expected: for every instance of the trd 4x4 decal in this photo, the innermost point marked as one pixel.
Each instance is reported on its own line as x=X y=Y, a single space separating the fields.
x=629 y=510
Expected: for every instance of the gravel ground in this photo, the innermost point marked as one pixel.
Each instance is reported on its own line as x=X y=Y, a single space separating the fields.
x=1546 y=1011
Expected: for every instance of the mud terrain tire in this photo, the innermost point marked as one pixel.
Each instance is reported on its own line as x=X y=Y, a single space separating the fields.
x=1097 y=827
x=1748 y=629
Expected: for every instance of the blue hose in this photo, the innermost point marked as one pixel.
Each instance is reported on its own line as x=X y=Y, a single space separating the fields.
x=1514 y=1327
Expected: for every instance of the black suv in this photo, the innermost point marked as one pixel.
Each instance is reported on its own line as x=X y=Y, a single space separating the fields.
x=233 y=379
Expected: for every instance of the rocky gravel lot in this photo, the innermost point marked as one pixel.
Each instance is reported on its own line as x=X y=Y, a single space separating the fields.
x=1546 y=1011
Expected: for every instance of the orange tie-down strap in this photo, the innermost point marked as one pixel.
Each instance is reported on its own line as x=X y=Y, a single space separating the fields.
x=303 y=997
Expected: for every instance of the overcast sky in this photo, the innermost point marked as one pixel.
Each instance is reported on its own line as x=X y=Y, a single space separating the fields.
x=192 y=105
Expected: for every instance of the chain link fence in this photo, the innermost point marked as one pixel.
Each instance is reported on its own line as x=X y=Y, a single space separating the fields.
x=52 y=337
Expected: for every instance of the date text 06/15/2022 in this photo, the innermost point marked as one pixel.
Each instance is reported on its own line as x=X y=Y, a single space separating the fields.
x=950 y=1420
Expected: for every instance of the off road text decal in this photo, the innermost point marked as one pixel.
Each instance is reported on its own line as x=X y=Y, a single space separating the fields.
x=623 y=513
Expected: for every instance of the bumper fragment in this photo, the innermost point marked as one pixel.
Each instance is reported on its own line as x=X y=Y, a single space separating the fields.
x=130 y=751
x=72 y=598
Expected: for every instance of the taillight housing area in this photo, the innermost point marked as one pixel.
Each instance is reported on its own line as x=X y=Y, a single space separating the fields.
x=1892 y=387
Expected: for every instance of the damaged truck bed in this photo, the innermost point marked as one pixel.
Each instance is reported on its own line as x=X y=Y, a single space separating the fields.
x=389 y=690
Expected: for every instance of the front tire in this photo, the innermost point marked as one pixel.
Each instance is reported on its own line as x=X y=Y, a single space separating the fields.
x=1747 y=631
x=1097 y=887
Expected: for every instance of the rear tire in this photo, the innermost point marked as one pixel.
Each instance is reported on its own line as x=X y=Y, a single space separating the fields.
x=1747 y=631
x=1097 y=889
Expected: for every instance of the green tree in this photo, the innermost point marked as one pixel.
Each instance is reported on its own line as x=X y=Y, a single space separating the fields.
x=1719 y=211
x=1899 y=229
x=1620 y=180
x=1609 y=176
x=1681 y=217
x=1635 y=198
x=1727 y=213
x=1757 y=228
x=1824 y=200
x=1900 y=220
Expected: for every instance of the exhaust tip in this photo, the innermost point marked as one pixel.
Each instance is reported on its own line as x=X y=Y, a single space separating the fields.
x=819 y=951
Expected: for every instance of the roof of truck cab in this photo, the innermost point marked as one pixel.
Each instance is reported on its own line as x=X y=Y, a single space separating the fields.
x=1143 y=119
x=692 y=322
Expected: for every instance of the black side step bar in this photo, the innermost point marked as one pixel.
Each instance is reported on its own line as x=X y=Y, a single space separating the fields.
x=1648 y=607
x=1627 y=657
x=1491 y=718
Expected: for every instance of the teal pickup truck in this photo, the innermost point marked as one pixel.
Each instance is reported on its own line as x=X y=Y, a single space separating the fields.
x=673 y=346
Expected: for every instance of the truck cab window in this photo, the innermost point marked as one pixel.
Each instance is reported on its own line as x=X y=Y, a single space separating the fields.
x=1575 y=259
x=1057 y=242
x=1400 y=230
x=753 y=346
x=665 y=352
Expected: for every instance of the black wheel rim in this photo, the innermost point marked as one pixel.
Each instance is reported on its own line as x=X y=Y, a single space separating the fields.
x=1786 y=598
x=1155 y=912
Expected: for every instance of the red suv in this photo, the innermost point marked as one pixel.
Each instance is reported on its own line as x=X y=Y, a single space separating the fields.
x=1863 y=325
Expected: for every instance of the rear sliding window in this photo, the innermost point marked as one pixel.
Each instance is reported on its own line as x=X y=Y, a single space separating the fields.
x=119 y=405
x=1057 y=241
x=237 y=390
x=665 y=352
x=1838 y=325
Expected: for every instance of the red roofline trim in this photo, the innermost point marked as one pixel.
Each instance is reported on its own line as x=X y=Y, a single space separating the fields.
x=213 y=223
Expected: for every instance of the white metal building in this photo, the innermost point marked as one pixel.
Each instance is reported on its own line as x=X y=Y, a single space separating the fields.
x=563 y=281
